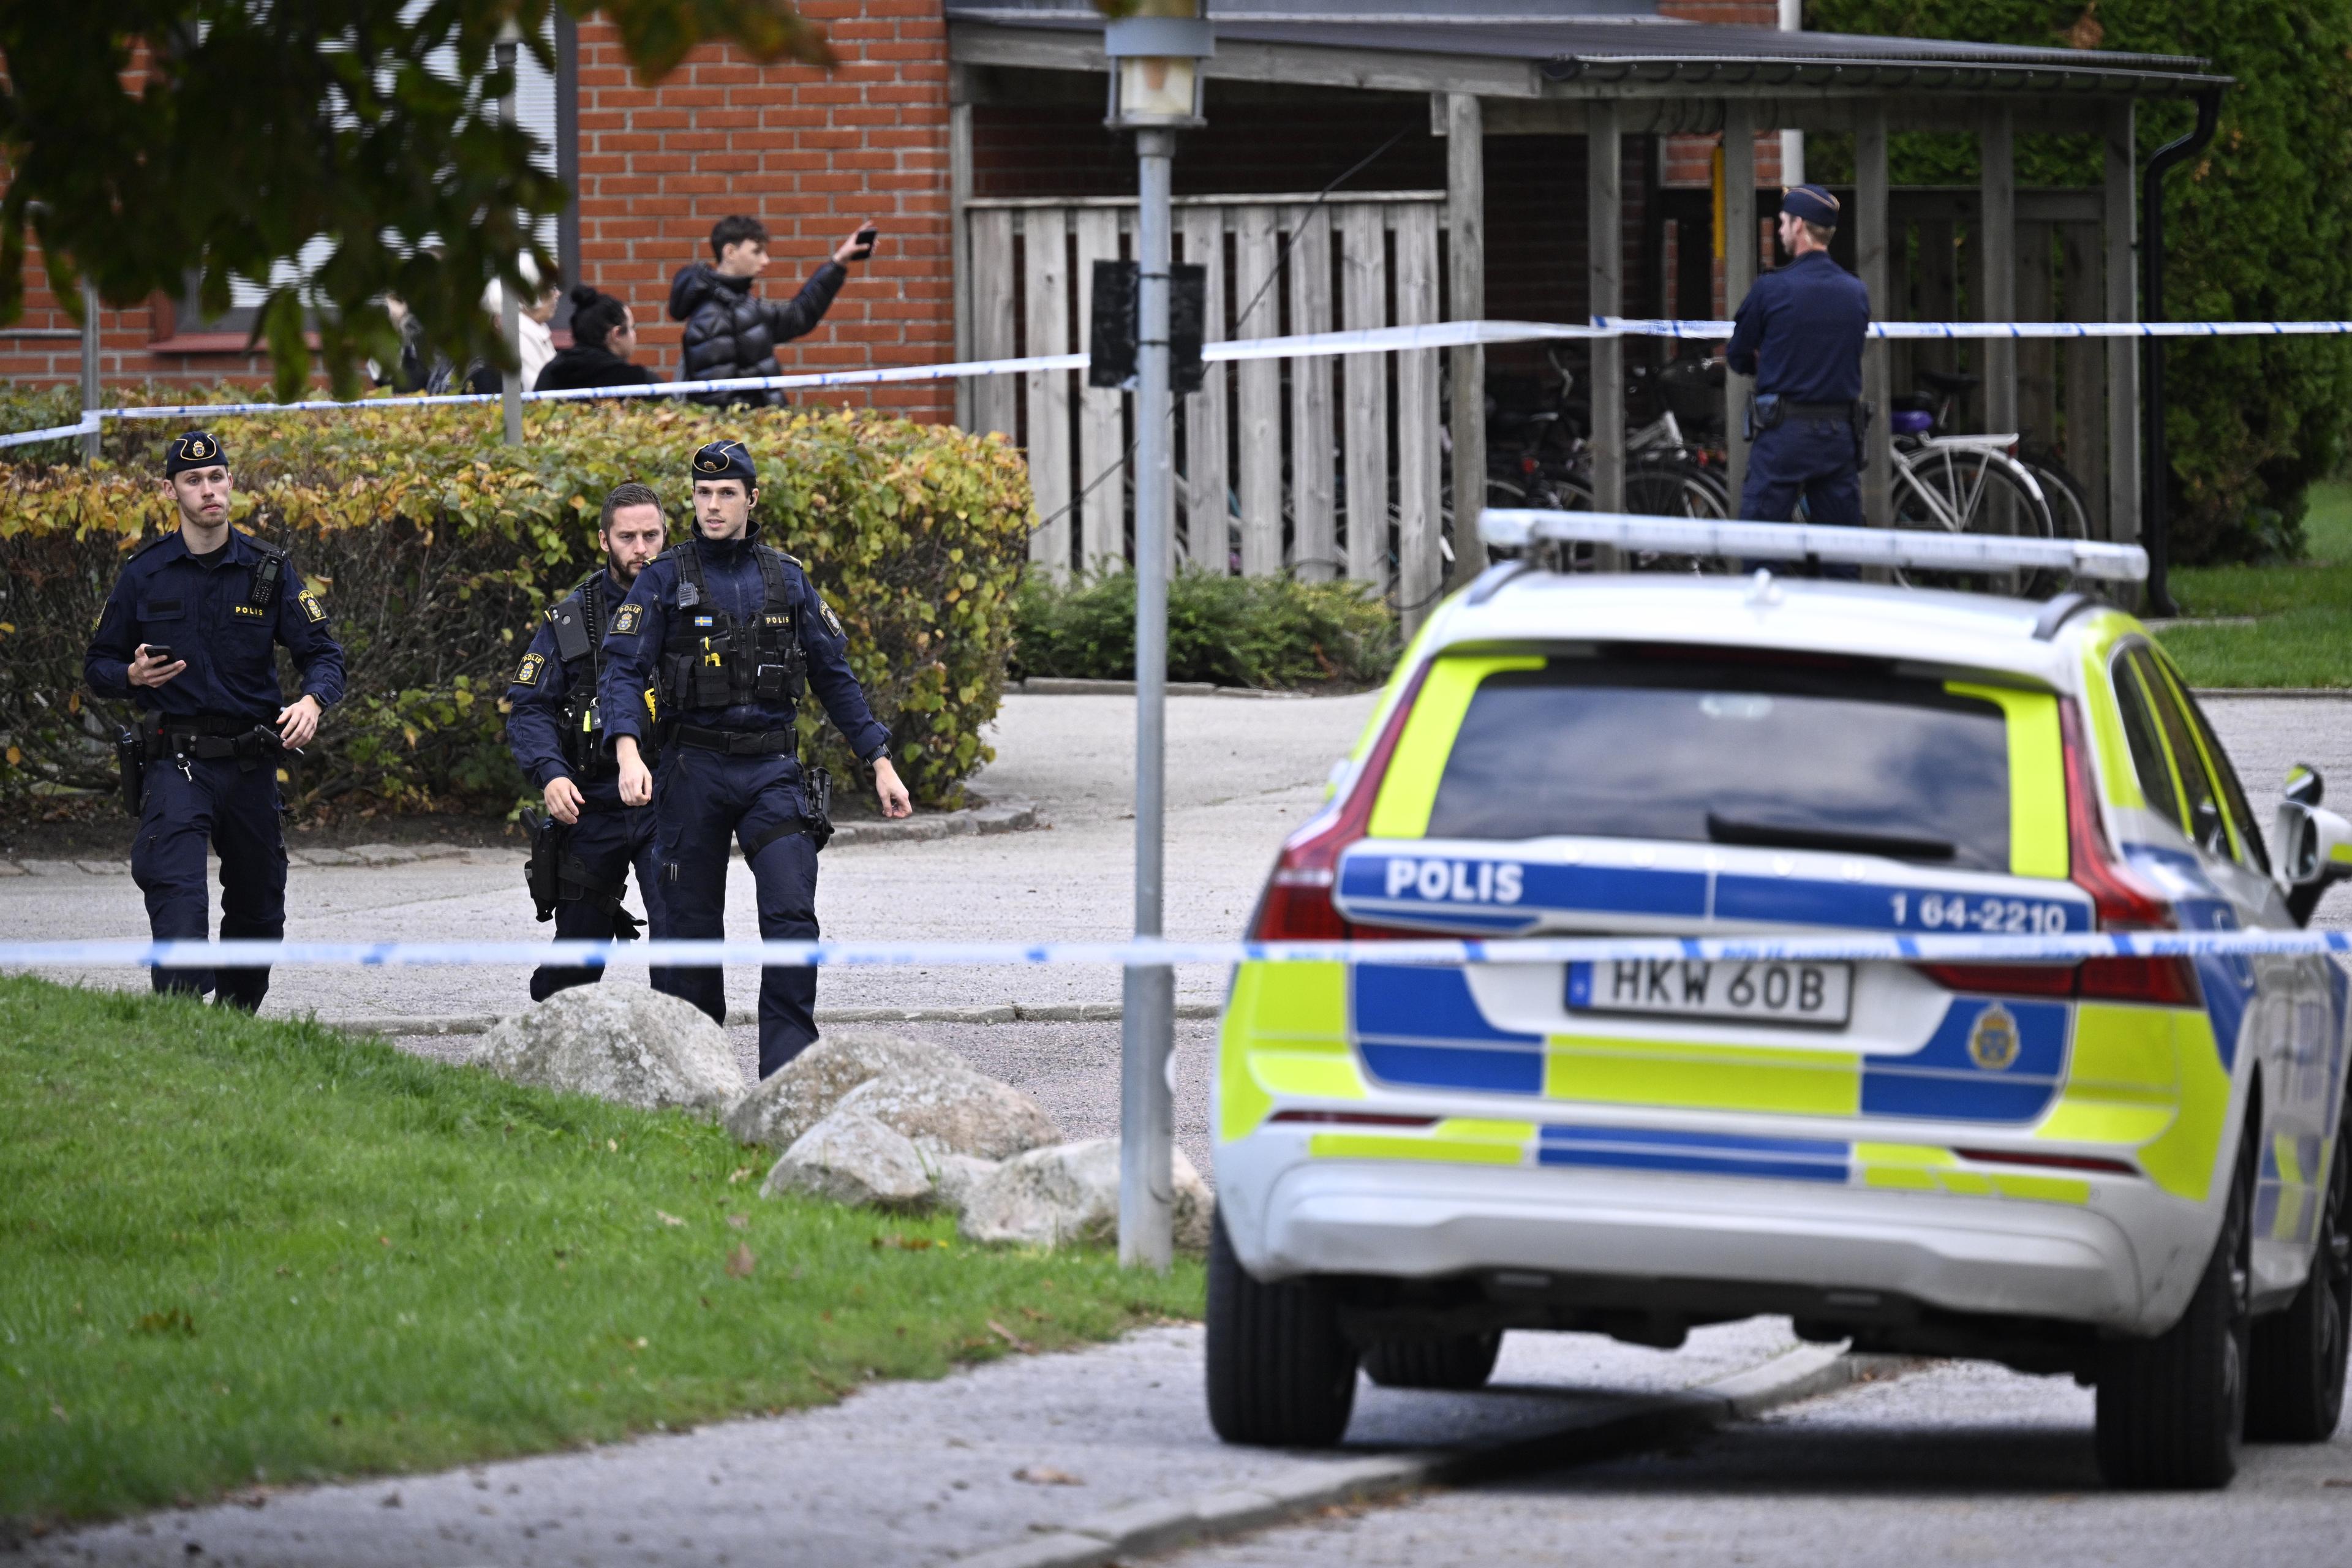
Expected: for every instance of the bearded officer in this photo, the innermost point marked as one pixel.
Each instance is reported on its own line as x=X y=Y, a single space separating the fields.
x=190 y=637
x=580 y=866
x=722 y=634
x=1800 y=333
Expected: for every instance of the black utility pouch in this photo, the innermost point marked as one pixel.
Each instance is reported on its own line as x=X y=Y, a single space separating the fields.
x=131 y=765
x=1765 y=412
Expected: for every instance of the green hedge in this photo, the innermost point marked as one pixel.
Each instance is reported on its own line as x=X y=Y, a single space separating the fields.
x=2258 y=226
x=437 y=548
x=1233 y=631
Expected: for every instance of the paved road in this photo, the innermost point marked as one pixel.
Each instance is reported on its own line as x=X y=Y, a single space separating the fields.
x=1952 y=1463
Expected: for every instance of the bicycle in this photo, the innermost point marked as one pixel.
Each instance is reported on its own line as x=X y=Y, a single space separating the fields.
x=1961 y=483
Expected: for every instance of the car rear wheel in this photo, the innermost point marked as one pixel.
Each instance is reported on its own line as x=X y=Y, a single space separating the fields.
x=2172 y=1410
x=1281 y=1373
x=1458 y=1361
x=2296 y=1391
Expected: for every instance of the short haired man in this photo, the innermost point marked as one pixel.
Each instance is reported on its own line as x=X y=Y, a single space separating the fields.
x=731 y=332
x=190 y=636
x=1800 y=333
x=555 y=731
x=722 y=633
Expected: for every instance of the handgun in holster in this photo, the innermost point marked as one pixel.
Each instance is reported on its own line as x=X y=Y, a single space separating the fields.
x=543 y=875
x=130 y=764
x=820 y=807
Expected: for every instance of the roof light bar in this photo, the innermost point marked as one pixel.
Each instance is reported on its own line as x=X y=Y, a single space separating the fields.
x=1515 y=529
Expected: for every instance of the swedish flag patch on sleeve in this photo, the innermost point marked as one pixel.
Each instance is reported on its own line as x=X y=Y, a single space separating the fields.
x=625 y=619
x=532 y=665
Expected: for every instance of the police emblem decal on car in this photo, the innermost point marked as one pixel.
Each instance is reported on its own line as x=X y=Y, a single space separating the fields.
x=1992 y=1044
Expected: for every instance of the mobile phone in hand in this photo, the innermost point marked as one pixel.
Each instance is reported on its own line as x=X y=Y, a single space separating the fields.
x=160 y=652
x=865 y=238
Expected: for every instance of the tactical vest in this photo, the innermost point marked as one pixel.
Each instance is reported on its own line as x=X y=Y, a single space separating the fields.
x=711 y=660
x=580 y=621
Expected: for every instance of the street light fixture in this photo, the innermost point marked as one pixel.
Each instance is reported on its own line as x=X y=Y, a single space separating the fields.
x=1155 y=90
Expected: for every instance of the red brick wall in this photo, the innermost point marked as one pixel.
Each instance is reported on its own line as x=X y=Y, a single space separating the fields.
x=808 y=153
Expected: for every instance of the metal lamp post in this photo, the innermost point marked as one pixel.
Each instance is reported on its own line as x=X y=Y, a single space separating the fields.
x=510 y=308
x=1155 y=90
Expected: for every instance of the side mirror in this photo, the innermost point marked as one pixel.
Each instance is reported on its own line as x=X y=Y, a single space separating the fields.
x=2315 y=851
x=2205 y=821
x=2303 y=785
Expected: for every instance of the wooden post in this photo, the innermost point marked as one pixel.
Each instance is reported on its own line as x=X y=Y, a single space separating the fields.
x=2082 y=360
x=1102 y=432
x=1997 y=262
x=1604 y=229
x=1314 y=536
x=1364 y=304
x=987 y=329
x=1257 y=306
x=1871 y=256
x=1466 y=226
x=2122 y=354
x=1208 y=526
x=2037 y=358
x=1738 y=271
x=966 y=388
x=1420 y=567
x=1045 y=261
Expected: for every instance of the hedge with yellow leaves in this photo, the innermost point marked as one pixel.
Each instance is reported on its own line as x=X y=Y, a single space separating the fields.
x=436 y=549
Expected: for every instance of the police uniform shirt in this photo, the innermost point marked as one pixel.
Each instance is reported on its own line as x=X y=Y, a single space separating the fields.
x=201 y=608
x=1801 y=330
x=535 y=707
x=633 y=646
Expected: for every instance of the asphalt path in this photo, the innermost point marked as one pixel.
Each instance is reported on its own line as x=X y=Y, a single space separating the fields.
x=1952 y=1463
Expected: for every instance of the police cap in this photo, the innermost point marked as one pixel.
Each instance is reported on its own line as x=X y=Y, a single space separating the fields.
x=1812 y=203
x=192 y=449
x=726 y=460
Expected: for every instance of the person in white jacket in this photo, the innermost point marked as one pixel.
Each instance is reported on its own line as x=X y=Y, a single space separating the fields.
x=533 y=314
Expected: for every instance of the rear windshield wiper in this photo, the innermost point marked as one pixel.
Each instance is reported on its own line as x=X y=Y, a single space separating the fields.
x=1779 y=835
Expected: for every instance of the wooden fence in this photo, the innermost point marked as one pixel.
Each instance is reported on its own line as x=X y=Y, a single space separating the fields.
x=1324 y=467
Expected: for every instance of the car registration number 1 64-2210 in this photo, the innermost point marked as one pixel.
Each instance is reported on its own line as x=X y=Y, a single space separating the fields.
x=1762 y=993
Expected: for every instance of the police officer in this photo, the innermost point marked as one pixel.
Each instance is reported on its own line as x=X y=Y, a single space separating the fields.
x=722 y=633
x=190 y=634
x=553 y=728
x=1800 y=333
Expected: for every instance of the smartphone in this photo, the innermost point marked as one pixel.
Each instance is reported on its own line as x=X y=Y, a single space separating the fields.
x=159 y=651
x=865 y=238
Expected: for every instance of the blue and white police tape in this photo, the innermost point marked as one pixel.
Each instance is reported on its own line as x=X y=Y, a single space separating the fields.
x=1634 y=327
x=89 y=423
x=1798 y=947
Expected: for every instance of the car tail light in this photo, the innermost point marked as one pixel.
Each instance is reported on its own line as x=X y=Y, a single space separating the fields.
x=1297 y=904
x=2122 y=903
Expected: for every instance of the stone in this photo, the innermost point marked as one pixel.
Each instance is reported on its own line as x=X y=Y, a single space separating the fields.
x=621 y=1043
x=852 y=1158
x=800 y=1093
x=954 y=1176
x=1069 y=1193
x=956 y=1109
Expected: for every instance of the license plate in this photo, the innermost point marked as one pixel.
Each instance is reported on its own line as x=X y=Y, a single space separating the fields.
x=1760 y=993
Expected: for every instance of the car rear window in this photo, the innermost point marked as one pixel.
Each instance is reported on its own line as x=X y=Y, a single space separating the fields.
x=1731 y=751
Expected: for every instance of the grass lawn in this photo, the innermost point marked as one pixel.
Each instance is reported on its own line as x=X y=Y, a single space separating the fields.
x=2303 y=632
x=236 y=1251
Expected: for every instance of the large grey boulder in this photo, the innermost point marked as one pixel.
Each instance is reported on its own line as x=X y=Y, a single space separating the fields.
x=800 y=1093
x=922 y=1091
x=1069 y=1193
x=852 y=1159
x=621 y=1043
x=954 y=1176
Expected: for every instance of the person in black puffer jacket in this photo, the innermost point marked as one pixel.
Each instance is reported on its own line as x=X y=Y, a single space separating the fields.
x=604 y=337
x=731 y=332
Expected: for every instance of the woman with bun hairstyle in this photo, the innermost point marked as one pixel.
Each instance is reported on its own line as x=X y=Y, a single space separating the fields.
x=604 y=336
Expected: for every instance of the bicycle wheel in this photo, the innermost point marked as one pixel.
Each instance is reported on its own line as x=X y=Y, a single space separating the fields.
x=1677 y=489
x=1956 y=489
x=2069 y=503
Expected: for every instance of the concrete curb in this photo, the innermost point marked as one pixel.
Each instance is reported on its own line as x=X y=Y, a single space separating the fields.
x=1141 y=1529
x=2305 y=693
x=1010 y=1013
x=1080 y=686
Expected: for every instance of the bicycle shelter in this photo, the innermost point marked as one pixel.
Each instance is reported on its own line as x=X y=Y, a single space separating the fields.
x=1497 y=149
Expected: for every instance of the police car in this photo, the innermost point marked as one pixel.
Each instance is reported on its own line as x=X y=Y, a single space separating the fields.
x=2123 y=1168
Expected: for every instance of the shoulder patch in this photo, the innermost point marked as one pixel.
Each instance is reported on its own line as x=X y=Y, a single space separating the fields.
x=831 y=621
x=312 y=610
x=533 y=665
x=625 y=619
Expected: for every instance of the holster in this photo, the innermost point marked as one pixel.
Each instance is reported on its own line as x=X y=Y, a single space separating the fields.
x=543 y=875
x=130 y=764
x=819 y=791
x=1765 y=412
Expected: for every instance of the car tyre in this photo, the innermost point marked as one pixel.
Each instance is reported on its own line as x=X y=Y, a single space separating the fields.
x=2172 y=1409
x=1457 y=1362
x=2295 y=1389
x=1282 y=1374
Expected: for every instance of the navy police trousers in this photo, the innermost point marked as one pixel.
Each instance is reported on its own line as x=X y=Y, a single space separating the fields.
x=702 y=802
x=233 y=808
x=608 y=839
x=1814 y=459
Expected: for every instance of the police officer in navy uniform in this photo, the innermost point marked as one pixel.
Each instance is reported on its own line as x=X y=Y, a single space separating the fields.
x=190 y=636
x=723 y=633
x=1800 y=333
x=555 y=731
